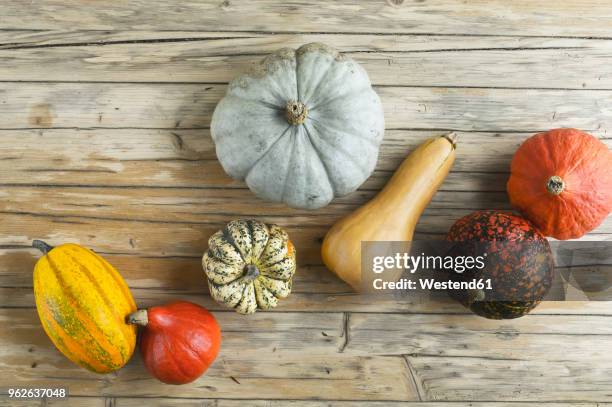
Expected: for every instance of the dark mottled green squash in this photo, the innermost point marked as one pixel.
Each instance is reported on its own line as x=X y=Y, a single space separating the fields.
x=518 y=261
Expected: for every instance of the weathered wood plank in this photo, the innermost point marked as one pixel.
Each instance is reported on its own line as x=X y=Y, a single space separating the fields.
x=180 y=158
x=160 y=278
x=174 y=209
x=507 y=352
x=206 y=205
x=170 y=209
x=167 y=223
x=261 y=357
x=46 y=105
x=389 y=60
x=186 y=158
x=454 y=336
x=213 y=206
x=450 y=357
x=121 y=402
x=308 y=296
x=93 y=401
x=213 y=43
x=168 y=237
x=194 y=402
x=159 y=238
x=157 y=279
x=522 y=17
x=197 y=205
x=446 y=378
x=13 y=39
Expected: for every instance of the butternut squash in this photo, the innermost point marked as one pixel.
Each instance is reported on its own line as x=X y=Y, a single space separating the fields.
x=392 y=214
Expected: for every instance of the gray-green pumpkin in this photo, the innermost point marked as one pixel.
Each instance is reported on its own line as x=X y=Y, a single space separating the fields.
x=302 y=127
x=249 y=265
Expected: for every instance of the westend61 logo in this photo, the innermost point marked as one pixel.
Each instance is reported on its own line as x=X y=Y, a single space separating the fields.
x=413 y=263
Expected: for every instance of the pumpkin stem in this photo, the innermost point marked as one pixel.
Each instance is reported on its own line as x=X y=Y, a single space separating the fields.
x=452 y=138
x=555 y=185
x=476 y=296
x=140 y=317
x=251 y=272
x=42 y=246
x=296 y=112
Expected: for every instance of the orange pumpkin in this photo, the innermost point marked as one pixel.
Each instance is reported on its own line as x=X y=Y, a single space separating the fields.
x=561 y=180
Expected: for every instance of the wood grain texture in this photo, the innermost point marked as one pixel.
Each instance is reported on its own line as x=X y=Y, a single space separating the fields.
x=68 y=402
x=186 y=158
x=390 y=60
x=302 y=300
x=179 y=238
x=264 y=358
x=180 y=158
x=193 y=402
x=521 y=17
x=180 y=106
x=295 y=403
x=104 y=140
x=354 y=357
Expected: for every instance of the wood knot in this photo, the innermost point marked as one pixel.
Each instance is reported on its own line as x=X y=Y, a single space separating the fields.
x=41 y=115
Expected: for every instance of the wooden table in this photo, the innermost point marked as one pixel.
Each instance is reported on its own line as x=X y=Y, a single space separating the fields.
x=105 y=110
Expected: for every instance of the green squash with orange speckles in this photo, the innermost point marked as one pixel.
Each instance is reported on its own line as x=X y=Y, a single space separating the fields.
x=518 y=263
x=249 y=265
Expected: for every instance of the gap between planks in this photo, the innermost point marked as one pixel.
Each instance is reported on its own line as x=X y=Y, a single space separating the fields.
x=384 y=59
x=273 y=33
x=346 y=317
x=258 y=33
x=161 y=83
x=175 y=401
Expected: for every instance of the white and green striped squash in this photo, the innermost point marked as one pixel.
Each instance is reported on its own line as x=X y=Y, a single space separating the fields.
x=249 y=265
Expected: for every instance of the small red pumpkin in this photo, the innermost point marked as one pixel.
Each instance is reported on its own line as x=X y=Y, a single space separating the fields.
x=180 y=340
x=561 y=180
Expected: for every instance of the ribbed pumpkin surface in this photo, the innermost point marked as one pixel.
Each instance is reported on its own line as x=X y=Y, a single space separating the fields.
x=249 y=265
x=82 y=302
